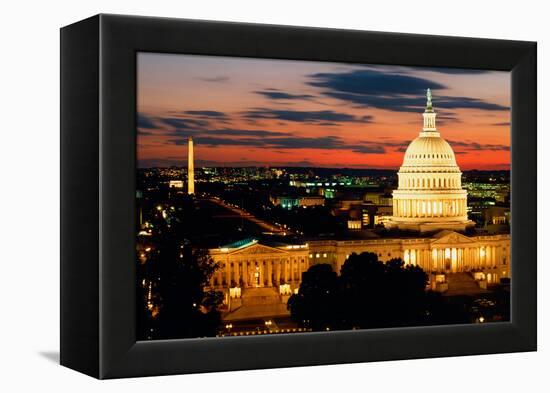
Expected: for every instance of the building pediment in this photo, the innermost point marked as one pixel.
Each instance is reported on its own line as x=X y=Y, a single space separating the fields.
x=451 y=237
x=257 y=249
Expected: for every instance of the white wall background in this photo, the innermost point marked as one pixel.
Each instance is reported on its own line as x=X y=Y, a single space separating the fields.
x=29 y=193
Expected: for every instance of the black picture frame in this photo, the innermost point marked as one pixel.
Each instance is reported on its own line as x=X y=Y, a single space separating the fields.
x=98 y=139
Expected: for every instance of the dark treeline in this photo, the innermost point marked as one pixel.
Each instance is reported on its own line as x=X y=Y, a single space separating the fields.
x=370 y=294
x=172 y=301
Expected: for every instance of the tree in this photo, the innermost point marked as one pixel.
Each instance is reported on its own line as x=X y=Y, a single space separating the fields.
x=367 y=294
x=186 y=309
x=316 y=303
x=179 y=273
x=363 y=291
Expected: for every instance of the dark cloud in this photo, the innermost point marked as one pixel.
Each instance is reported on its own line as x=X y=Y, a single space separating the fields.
x=214 y=79
x=390 y=91
x=141 y=132
x=274 y=94
x=372 y=82
x=208 y=114
x=368 y=149
x=235 y=132
x=217 y=141
x=330 y=142
x=449 y=102
x=227 y=132
x=304 y=116
x=184 y=123
x=145 y=122
x=504 y=123
x=469 y=145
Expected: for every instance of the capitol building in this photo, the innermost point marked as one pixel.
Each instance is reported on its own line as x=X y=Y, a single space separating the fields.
x=430 y=195
x=429 y=228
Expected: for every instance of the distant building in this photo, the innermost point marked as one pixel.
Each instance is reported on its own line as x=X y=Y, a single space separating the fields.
x=497 y=215
x=278 y=269
x=288 y=202
x=175 y=184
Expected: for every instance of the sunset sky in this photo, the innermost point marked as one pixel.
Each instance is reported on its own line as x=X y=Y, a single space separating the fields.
x=257 y=112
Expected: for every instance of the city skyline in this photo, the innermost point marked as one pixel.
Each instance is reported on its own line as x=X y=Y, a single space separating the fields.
x=255 y=112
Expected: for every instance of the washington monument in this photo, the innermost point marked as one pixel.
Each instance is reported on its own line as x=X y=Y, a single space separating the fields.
x=190 y=168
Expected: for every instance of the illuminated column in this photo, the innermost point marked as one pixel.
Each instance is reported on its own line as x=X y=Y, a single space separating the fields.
x=227 y=273
x=245 y=274
x=270 y=273
x=236 y=272
x=262 y=273
x=190 y=168
x=219 y=274
x=286 y=267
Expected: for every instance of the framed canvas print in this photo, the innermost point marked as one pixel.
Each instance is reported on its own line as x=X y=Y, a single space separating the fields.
x=292 y=195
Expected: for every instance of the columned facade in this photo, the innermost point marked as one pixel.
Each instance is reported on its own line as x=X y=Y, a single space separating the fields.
x=256 y=266
x=444 y=253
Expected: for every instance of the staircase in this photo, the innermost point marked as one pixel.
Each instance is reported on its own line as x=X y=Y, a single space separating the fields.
x=462 y=284
x=260 y=296
x=258 y=303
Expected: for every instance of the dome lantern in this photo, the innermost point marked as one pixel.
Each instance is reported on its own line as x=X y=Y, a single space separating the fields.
x=429 y=116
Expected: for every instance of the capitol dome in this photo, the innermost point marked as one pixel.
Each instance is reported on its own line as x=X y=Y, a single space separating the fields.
x=429 y=151
x=429 y=195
